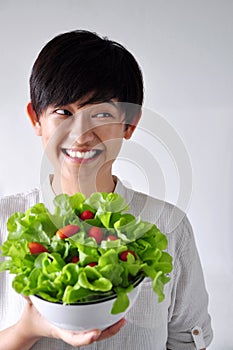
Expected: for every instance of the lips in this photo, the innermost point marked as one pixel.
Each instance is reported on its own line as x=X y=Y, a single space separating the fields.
x=81 y=155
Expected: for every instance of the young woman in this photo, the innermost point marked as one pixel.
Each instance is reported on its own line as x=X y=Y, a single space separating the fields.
x=86 y=98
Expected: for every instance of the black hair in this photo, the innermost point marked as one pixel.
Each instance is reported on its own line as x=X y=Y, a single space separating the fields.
x=81 y=64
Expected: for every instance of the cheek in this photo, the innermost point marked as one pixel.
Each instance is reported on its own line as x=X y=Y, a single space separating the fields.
x=45 y=139
x=48 y=138
x=113 y=132
x=51 y=143
x=113 y=145
x=51 y=134
x=113 y=139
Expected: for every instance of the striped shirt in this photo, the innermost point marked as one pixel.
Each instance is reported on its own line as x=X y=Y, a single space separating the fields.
x=180 y=322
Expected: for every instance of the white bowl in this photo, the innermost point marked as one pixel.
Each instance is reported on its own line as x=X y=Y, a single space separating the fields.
x=86 y=316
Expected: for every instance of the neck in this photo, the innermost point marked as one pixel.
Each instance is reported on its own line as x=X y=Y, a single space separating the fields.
x=72 y=185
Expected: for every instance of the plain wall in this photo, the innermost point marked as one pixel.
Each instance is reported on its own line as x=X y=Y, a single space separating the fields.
x=185 y=49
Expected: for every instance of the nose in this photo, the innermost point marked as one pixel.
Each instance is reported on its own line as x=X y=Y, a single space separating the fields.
x=81 y=130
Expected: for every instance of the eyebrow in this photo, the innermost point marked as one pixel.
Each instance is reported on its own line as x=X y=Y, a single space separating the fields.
x=112 y=103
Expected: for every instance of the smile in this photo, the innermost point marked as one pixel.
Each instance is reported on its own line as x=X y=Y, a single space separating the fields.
x=81 y=155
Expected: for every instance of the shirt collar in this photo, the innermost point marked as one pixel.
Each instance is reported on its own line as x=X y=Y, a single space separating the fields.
x=48 y=195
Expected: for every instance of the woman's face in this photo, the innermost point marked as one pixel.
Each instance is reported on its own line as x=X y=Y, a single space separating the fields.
x=86 y=139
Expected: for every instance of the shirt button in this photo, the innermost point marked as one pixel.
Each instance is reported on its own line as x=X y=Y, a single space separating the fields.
x=195 y=332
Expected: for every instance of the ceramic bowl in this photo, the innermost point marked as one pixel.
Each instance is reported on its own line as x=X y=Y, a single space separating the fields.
x=83 y=316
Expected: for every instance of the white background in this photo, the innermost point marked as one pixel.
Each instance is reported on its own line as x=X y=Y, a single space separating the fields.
x=185 y=49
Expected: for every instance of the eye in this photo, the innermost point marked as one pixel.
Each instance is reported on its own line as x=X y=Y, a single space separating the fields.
x=63 y=112
x=102 y=115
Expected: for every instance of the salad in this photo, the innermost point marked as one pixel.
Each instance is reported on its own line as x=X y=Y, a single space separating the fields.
x=87 y=249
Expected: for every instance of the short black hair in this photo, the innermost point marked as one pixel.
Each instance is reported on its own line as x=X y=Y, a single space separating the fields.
x=80 y=63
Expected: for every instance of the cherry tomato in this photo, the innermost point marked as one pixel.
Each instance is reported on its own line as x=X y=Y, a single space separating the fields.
x=96 y=233
x=123 y=255
x=37 y=248
x=75 y=259
x=67 y=231
x=87 y=214
x=111 y=238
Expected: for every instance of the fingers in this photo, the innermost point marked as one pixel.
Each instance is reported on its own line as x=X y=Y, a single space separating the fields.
x=76 y=338
x=87 y=337
x=110 y=331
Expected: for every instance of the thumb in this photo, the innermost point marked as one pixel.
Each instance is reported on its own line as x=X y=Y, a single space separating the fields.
x=27 y=299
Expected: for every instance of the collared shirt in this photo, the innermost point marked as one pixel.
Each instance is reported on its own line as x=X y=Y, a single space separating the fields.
x=180 y=322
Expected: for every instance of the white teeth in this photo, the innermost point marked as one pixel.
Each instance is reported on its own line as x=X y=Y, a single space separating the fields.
x=81 y=155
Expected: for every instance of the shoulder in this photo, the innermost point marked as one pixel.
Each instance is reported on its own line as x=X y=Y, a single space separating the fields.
x=18 y=202
x=167 y=216
x=170 y=219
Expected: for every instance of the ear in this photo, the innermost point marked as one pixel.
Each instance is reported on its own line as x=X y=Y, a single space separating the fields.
x=132 y=126
x=34 y=119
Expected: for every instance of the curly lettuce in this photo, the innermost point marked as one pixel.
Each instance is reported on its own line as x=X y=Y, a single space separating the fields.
x=98 y=271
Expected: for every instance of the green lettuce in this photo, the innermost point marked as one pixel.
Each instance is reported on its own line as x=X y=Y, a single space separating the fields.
x=100 y=272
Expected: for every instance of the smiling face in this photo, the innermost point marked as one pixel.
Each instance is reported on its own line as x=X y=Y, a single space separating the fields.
x=82 y=143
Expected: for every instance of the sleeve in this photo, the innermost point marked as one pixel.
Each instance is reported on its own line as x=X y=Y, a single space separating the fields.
x=189 y=324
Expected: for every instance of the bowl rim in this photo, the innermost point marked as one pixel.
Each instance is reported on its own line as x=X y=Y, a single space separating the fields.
x=112 y=295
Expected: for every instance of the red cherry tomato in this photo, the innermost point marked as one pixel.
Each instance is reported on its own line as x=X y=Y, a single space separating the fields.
x=111 y=238
x=87 y=214
x=67 y=231
x=37 y=248
x=75 y=259
x=96 y=233
x=123 y=255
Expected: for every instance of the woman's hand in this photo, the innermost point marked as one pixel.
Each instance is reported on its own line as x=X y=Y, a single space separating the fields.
x=87 y=337
x=32 y=326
